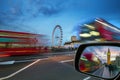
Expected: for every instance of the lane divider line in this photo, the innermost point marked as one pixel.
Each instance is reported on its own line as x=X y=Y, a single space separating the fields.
x=66 y=61
x=11 y=75
x=87 y=78
x=7 y=62
x=69 y=54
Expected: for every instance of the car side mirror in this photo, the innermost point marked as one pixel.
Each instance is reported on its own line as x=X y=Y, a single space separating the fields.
x=100 y=60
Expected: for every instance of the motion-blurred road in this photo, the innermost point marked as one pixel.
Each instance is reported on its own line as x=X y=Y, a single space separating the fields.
x=47 y=66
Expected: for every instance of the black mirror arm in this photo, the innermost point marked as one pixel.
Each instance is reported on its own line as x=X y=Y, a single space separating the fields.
x=77 y=57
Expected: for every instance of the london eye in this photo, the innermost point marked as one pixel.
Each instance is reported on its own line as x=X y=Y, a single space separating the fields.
x=57 y=36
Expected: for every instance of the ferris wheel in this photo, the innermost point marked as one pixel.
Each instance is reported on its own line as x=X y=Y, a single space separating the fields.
x=57 y=36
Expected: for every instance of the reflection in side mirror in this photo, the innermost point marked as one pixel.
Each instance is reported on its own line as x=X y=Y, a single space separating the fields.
x=100 y=61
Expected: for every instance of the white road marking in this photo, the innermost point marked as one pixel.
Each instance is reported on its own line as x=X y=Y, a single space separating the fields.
x=87 y=78
x=13 y=74
x=69 y=54
x=66 y=61
x=21 y=61
x=7 y=62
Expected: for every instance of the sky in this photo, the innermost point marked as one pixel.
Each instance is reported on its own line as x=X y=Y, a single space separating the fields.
x=41 y=16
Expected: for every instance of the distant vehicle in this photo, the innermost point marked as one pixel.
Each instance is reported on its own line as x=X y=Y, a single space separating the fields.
x=21 y=43
x=88 y=66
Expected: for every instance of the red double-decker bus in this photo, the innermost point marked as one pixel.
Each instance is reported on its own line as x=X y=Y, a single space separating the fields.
x=21 y=43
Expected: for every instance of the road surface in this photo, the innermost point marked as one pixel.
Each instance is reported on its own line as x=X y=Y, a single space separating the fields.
x=50 y=66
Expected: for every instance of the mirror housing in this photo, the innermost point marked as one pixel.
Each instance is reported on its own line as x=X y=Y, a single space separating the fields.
x=82 y=55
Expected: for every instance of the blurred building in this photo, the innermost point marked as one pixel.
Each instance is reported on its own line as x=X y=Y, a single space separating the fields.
x=73 y=38
x=117 y=61
x=73 y=44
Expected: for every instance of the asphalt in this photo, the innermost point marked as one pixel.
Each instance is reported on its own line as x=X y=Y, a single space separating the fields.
x=57 y=67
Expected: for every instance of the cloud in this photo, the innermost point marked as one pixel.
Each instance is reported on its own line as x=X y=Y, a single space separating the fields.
x=21 y=12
